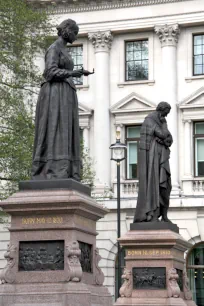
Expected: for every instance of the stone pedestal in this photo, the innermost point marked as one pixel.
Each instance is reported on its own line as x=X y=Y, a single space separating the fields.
x=52 y=257
x=154 y=274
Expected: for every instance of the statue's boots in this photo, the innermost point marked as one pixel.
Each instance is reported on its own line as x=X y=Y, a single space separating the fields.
x=164 y=211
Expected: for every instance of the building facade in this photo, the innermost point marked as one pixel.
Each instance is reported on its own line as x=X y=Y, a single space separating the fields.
x=143 y=52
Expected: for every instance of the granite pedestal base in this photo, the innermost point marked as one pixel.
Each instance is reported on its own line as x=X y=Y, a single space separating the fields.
x=54 y=294
x=154 y=274
x=52 y=257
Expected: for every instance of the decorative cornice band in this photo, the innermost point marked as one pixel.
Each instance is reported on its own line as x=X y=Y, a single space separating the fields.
x=61 y=7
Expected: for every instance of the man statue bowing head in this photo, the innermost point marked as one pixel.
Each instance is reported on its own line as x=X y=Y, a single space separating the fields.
x=154 y=169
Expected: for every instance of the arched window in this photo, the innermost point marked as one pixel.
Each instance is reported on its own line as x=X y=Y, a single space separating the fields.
x=195 y=269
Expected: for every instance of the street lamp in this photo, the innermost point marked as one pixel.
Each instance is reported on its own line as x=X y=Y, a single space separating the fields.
x=118 y=154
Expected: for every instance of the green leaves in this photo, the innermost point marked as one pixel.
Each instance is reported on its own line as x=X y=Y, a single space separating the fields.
x=23 y=33
x=87 y=173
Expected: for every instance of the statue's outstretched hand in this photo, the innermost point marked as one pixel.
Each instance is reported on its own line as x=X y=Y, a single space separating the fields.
x=77 y=73
x=86 y=72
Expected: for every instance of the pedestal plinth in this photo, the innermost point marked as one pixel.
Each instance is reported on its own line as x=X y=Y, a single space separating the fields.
x=52 y=257
x=154 y=274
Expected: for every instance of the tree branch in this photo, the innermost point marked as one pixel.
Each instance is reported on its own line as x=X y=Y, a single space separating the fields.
x=18 y=87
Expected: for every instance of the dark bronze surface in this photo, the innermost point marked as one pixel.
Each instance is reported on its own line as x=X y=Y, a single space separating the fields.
x=154 y=170
x=141 y=226
x=149 y=278
x=68 y=184
x=86 y=258
x=41 y=255
x=56 y=152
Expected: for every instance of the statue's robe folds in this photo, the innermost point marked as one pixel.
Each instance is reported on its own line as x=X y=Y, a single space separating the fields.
x=57 y=143
x=154 y=170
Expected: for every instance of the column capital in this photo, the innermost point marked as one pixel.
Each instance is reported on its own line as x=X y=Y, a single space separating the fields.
x=118 y=125
x=186 y=121
x=101 y=40
x=168 y=34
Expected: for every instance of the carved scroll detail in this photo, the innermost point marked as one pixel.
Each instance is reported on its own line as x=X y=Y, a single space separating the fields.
x=186 y=290
x=101 y=40
x=7 y=275
x=73 y=260
x=126 y=289
x=173 y=287
x=168 y=34
x=99 y=276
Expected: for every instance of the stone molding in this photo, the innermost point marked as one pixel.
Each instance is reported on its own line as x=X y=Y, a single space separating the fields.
x=126 y=289
x=188 y=102
x=173 y=287
x=64 y=6
x=99 y=276
x=186 y=289
x=101 y=41
x=8 y=275
x=73 y=259
x=168 y=34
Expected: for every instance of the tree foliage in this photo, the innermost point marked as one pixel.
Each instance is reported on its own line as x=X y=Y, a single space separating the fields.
x=22 y=35
x=24 y=32
x=87 y=172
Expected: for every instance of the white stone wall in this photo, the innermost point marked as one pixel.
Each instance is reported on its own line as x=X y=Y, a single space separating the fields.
x=122 y=103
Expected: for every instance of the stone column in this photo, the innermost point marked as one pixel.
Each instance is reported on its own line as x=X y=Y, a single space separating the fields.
x=102 y=45
x=86 y=137
x=168 y=36
x=187 y=149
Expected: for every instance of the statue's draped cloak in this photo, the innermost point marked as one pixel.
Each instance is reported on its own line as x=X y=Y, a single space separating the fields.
x=154 y=170
x=57 y=143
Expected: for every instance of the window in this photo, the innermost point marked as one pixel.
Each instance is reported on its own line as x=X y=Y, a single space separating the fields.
x=132 y=139
x=198 y=54
x=199 y=148
x=195 y=269
x=77 y=56
x=136 y=60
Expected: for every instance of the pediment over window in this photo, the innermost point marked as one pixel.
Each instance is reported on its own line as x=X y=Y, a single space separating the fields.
x=85 y=114
x=84 y=110
x=132 y=103
x=194 y=100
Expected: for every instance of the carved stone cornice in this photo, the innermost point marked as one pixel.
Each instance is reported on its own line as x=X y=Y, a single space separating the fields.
x=168 y=34
x=66 y=6
x=101 y=41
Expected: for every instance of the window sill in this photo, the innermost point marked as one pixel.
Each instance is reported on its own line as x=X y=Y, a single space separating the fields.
x=193 y=178
x=148 y=82
x=83 y=87
x=190 y=79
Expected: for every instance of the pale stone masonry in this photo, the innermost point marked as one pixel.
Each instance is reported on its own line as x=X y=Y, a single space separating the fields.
x=108 y=101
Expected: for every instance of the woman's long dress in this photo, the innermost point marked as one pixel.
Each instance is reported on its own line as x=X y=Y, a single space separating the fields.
x=57 y=144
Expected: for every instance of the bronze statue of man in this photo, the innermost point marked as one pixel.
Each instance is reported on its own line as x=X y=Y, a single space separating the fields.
x=154 y=169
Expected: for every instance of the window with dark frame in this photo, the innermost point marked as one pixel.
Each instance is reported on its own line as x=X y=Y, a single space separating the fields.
x=77 y=56
x=136 y=60
x=132 y=141
x=198 y=54
x=199 y=148
x=195 y=270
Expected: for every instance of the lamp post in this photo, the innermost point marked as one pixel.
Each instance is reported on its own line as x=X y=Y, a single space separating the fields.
x=118 y=154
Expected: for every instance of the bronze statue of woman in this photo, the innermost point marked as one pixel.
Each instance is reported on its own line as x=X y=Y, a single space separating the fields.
x=154 y=169
x=57 y=145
